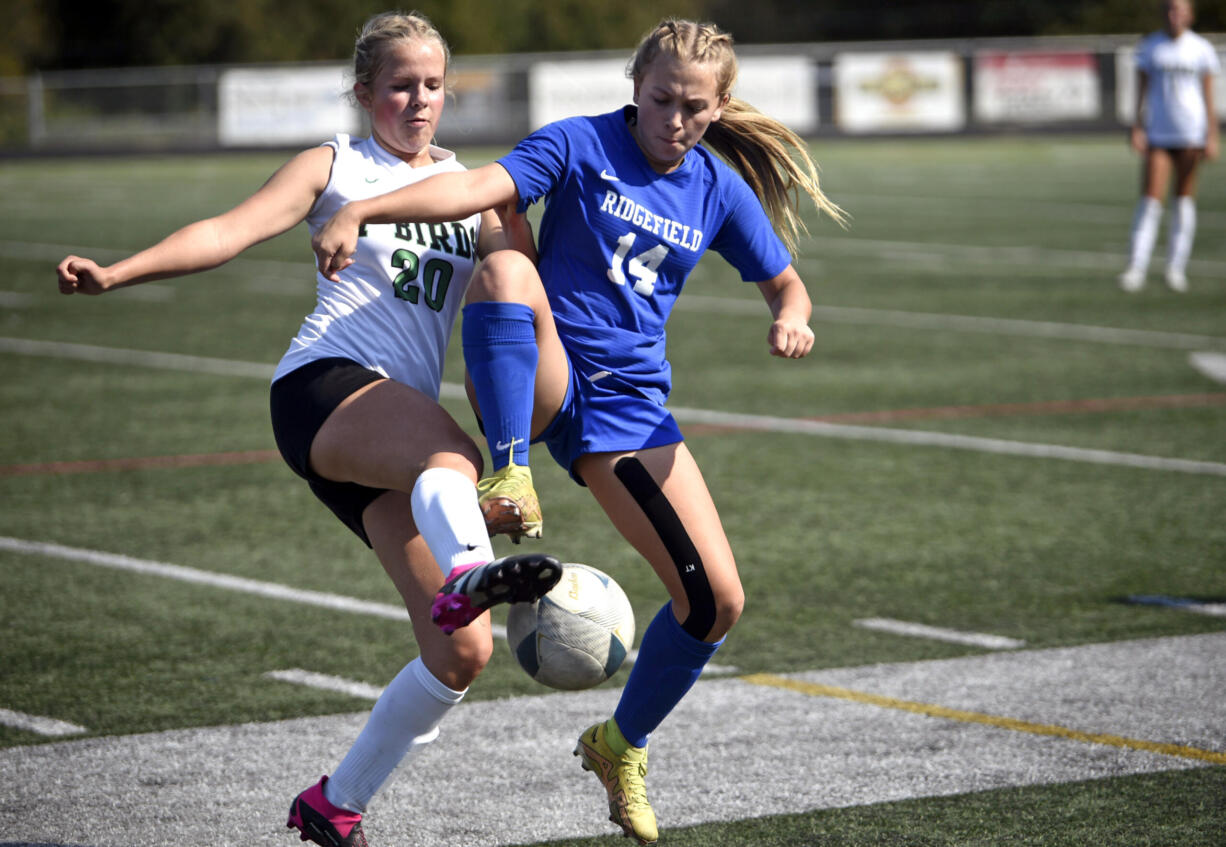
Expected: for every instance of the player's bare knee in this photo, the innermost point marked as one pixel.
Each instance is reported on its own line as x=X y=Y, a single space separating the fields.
x=469 y=666
x=502 y=275
x=459 y=662
x=728 y=609
x=729 y=606
x=462 y=456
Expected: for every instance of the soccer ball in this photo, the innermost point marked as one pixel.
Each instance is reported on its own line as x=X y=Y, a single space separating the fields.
x=577 y=635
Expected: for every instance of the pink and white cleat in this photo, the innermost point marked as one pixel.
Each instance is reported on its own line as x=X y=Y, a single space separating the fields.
x=471 y=589
x=324 y=823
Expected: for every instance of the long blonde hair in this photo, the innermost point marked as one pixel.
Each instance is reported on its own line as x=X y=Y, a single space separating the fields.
x=771 y=158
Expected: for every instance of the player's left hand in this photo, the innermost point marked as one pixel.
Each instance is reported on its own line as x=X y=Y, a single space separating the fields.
x=790 y=339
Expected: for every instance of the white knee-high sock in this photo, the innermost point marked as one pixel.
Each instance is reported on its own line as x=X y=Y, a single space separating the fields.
x=1144 y=232
x=405 y=718
x=447 y=515
x=1181 y=234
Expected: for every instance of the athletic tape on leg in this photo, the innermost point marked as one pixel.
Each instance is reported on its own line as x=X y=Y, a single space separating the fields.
x=676 y=541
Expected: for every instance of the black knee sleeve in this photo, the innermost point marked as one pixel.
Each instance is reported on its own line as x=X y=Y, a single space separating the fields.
x=682 y=550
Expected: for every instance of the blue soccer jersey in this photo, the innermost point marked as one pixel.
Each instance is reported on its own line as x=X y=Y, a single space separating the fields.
x=617 y=239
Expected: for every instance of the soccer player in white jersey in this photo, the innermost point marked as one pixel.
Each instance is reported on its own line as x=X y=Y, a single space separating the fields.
x=355 y=398
x=632 y=203
x=1176 y=126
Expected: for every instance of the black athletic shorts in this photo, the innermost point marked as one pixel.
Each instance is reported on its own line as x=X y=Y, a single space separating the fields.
x=300 y=402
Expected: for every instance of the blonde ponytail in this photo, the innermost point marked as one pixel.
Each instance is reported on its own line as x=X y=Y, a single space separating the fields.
x=775 y=162
x=771 y=158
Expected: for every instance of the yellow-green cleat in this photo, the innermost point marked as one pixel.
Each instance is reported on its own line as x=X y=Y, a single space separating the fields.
x=623 y=777
x=509 y=503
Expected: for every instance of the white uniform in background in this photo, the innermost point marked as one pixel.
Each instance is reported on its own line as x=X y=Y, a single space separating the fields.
x=1175 y=118
x=1175 y=115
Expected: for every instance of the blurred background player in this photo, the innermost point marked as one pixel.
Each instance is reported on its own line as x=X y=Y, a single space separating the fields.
x=355 y=398
x=632 y=203
x=1175 y=127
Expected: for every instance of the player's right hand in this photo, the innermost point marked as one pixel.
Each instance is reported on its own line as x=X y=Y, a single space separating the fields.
x=81 y=276
x=335 y=243
x=1137 y=139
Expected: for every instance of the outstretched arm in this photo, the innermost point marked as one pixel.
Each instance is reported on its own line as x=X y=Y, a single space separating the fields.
x=281 y=203
x=790 y=336
x=439 y=199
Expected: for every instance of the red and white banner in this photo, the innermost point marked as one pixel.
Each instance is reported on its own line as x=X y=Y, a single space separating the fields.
x=1036 y=87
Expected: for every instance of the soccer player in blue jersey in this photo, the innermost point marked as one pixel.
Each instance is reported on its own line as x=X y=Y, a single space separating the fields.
x=632 y=203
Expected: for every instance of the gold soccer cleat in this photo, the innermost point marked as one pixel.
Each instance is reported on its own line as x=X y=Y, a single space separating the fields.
x=623 y=777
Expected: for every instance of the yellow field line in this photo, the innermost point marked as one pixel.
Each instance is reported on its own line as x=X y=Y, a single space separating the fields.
x=817 y=690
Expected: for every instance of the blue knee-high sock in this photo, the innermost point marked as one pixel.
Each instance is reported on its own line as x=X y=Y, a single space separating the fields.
x=500 y=354
x=669 y=663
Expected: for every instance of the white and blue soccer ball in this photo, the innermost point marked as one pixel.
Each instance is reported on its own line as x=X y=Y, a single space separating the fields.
x=577 y=635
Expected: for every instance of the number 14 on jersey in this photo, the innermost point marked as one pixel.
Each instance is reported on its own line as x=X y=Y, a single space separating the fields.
x=642 y=267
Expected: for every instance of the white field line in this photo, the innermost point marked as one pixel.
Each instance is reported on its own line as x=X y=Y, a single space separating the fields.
x=364 y=691
x=941 y=439
x=263 y=270
x=977 y=207
x=1216 y=610
x=967 y=323
x=953 y=636
x=1212 y=365
x=327 y=682
x=15 y=299
x=39 y=725
x=161 y=361
x=273 y=590
x=138 y=358
x=768 y=423
x=200 y=577
x=149 y=292
x=1016 y=255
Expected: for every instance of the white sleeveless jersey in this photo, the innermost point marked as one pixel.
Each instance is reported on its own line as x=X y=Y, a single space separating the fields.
x=394 y=307
x=1175 y=97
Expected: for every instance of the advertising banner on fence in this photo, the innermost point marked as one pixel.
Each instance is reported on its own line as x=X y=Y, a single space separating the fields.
x=265 y=106
x=564 y=89
x=1035 y=87
x=784 y=87
x=478 y=106
x=899 y=92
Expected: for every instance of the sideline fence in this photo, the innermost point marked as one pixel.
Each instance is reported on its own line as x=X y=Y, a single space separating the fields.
x=1081 y=84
